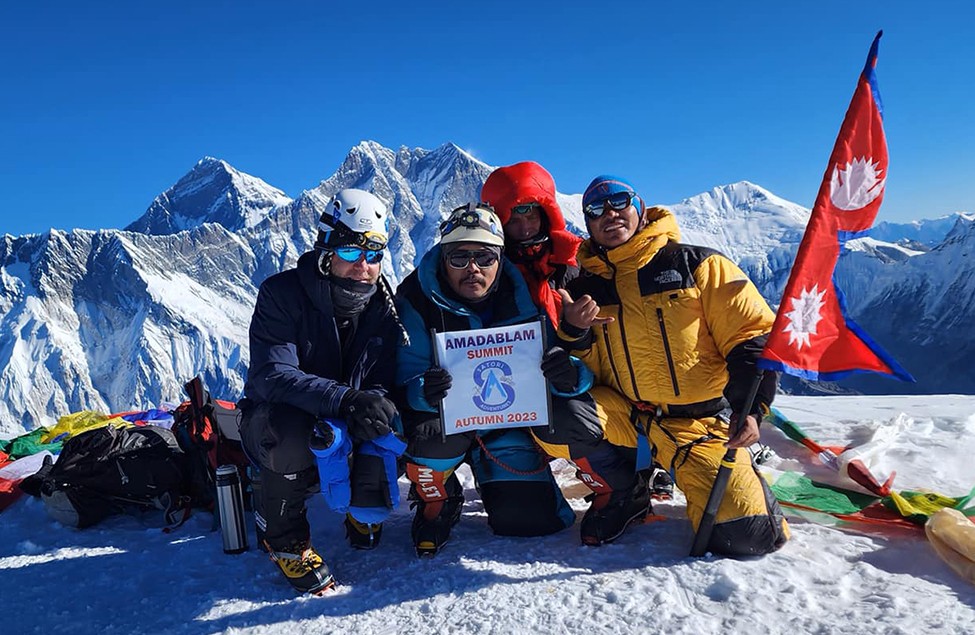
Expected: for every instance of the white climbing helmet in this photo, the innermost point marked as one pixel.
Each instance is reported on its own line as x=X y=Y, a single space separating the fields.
x=354 y=217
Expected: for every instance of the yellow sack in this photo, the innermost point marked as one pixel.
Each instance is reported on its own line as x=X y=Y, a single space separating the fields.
x=77 y=422
x=952 y=535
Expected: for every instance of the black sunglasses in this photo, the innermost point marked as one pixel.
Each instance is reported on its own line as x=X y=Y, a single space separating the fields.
x=462 y=259
x=618 y=202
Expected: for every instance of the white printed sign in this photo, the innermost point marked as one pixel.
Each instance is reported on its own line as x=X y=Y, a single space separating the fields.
x=497 y=382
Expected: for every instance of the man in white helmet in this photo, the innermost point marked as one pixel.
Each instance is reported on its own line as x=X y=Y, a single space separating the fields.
x=321 y=338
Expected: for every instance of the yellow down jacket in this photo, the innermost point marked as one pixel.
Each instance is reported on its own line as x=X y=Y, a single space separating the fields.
x=680 y=310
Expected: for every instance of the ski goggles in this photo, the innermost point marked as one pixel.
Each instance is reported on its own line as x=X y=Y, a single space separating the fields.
x=353 y=254
x=462 y=259
x=526 y=208
x=618 y=202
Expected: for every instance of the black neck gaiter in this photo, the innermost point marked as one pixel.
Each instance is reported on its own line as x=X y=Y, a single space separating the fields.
x=349 y=297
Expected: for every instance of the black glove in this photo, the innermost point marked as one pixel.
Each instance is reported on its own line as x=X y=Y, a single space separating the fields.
x=559 y=369
x=428 y=429
x=367 y=414
x=436 y=382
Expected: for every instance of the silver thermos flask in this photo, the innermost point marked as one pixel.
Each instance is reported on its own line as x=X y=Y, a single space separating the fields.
x=230 y=505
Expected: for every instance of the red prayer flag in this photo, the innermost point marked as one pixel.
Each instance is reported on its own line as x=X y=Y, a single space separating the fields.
x=812 y=336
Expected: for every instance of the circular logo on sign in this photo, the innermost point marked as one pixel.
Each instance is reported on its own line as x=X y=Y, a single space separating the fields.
x=494 y=389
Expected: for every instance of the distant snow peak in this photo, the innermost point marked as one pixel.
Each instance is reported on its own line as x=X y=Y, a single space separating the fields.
x=857 y=185
x=804 y=316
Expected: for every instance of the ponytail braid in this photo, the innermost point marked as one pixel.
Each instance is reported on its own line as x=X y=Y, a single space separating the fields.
x=387 y=292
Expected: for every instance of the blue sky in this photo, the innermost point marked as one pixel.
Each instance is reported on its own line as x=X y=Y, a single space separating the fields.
x=105 y=106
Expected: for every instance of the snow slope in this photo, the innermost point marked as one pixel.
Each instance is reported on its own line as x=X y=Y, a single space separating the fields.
x=124 y=576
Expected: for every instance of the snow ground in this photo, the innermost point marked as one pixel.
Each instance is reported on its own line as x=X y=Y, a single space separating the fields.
x=125 y=577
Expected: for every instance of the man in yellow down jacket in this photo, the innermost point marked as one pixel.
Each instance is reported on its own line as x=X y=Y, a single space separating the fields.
x=672 y=333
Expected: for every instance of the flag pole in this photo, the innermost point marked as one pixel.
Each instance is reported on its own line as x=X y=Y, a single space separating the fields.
x=706 y=526
x=436 y=362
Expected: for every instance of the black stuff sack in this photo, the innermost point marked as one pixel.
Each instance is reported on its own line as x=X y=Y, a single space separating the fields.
x=109 y=471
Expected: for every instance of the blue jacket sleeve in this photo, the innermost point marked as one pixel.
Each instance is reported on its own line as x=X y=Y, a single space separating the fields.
x=413 y=360
x=274 y=374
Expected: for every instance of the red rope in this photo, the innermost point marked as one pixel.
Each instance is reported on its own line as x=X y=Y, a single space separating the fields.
x=507 y=467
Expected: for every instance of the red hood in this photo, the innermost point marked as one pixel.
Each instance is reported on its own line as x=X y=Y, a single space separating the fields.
x=525 y=182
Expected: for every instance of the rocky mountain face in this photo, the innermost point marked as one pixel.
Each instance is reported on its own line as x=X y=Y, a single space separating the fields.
x=212 y=192
x=119 y=319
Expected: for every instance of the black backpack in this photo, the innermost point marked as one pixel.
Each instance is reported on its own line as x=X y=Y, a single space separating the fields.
x=108 y=470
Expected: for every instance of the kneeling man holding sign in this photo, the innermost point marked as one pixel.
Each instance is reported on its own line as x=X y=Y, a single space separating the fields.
x=471 y=385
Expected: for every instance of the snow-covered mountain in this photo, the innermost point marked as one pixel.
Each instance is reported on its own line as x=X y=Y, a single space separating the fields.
x=113 y=320
x=108 y=320
x=928 y=232
x=752 y=226
x=212 y=192
x=922 y=309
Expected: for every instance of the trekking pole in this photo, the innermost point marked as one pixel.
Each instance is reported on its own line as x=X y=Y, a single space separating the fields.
x=704 y=530
x=543 y=322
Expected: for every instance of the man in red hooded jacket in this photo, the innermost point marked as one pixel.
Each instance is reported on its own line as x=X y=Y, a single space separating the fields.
x=536 y=240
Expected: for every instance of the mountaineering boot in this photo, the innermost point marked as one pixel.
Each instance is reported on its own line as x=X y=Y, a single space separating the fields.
x=611 y=513
x=303 y=567
x=362 y=535
x=434 y=518
x=279 y=506
x=432 y=524
x=662 y=486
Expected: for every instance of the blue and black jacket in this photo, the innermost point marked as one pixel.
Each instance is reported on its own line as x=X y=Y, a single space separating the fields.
x=423 y=305
x=296 y=355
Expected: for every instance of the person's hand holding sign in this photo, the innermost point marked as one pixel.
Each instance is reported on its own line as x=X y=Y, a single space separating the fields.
x=436 y=382
x=581 y=313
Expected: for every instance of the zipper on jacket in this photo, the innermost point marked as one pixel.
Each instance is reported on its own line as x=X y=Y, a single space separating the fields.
x=626 y=354
x=670 y=358
x=609 y=354
x=626 y=350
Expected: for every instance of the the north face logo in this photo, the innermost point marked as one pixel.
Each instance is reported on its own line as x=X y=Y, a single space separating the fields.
x=668 y=277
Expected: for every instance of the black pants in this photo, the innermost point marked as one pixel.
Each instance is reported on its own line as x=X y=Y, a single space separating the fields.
x=276 y=438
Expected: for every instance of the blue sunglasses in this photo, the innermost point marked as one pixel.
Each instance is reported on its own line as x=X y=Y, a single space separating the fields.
x=353 y=254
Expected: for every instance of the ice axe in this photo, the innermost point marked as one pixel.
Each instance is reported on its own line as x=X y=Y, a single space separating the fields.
x=706 y=527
